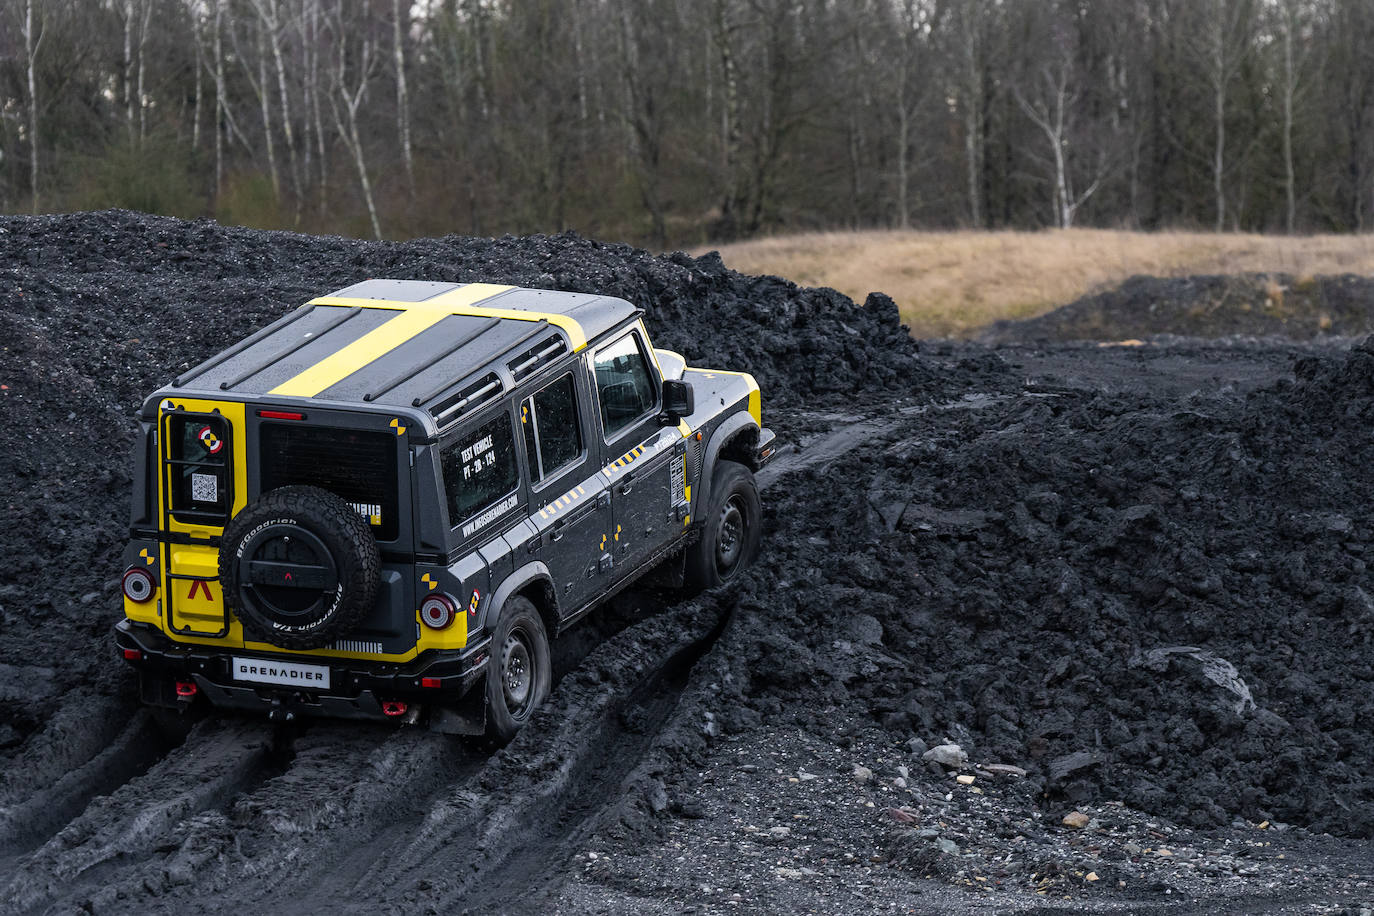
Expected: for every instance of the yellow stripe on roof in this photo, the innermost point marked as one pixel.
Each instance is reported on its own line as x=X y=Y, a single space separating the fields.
x=414 y=317
x=461 y=302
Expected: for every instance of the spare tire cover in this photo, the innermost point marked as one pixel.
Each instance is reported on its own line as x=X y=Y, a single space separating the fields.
x=299 y=568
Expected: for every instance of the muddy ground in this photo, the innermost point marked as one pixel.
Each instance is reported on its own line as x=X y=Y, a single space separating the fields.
x=1130 y=583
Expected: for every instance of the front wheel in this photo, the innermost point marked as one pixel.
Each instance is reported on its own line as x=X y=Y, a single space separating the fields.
x=518 y=674
x=730 y=532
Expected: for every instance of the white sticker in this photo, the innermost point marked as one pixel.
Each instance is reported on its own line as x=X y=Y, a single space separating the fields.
x=204 y=488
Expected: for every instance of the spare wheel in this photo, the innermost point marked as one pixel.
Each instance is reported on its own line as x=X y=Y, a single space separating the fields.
x=299 y=568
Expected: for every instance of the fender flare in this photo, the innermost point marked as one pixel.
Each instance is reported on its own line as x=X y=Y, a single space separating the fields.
x=533 y=571
x=727 y=430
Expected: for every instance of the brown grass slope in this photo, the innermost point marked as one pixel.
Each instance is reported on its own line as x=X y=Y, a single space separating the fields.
x=951 y=284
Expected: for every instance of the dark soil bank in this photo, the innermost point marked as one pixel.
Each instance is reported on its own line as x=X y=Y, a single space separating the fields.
x=1165 y=602
x=1257 y=305
x=1141 y=575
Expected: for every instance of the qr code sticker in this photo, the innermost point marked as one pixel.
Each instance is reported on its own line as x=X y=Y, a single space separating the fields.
x=204 y=488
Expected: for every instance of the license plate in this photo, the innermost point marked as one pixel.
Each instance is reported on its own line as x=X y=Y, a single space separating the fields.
x=287 y=674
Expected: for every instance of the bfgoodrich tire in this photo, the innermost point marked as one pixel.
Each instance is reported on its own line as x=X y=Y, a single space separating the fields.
x=731 y=529
x=299 y=568
x=519 y=672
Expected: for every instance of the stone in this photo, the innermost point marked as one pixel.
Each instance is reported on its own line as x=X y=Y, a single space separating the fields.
x=950 y=756
x=862 y=774
x=1077 y=820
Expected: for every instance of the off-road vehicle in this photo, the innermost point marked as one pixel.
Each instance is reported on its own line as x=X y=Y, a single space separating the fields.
x=386 y=503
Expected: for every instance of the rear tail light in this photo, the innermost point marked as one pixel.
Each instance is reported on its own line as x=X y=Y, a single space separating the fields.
x=138 y=584
x=133 y=655
x=431 y=683
x=438 y=611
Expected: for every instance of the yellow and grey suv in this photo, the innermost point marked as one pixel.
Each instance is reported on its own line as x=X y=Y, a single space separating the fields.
x=386 y=503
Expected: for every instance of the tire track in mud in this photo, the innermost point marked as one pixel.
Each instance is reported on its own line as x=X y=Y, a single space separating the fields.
x=217 y=762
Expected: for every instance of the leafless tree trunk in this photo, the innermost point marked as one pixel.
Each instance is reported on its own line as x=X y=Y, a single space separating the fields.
x=722 y=32
x=402 y=98
x=971 y=89
x=219 y=98
x=270 y=22
x=129 y=66
x=352 y=100
x=312 y=84
x=142 y=68
x=1050 y=113
x=200 y=64
x=32 y=43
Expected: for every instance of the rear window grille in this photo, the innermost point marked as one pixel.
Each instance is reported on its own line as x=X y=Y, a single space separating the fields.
x=467 y=399
x=537 y=357
x=358 y=466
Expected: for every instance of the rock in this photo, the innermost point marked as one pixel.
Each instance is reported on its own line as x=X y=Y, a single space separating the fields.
x=964 y=779
x=1091 y=876
x=902 y=815
x=1061 y=768
x=862 y=774
x=899 y=782
x=917 y=747
x=1077 y=820
x=903 y=771
x=805 y=776
x=1004 y=769
x=780 y=831
x=951 y=756
x=947 y=846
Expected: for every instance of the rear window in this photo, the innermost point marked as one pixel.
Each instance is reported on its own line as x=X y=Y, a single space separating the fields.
x=479 y=471
x=200 y=475
x=357 y=465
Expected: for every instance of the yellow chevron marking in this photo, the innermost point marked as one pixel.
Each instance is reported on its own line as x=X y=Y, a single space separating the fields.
x=617 y=532
x=580 y=491
x=603 y=542
x=412 y=318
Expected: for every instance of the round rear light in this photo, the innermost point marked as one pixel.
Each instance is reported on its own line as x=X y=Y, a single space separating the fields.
x=138 y=584
x=437 y=611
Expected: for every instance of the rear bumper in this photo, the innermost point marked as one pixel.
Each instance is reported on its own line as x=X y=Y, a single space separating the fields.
x=357 y=688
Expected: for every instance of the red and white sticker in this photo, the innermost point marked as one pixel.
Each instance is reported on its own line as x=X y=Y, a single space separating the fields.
x=213 y=444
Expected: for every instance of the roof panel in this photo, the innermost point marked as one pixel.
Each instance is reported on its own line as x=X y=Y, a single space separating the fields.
x=300 y=344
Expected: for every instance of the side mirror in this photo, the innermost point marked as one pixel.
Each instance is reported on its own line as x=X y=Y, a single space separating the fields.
x=678 y=400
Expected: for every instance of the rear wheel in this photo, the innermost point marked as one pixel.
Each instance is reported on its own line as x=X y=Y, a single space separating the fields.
x=730 y=529
x=519 y=672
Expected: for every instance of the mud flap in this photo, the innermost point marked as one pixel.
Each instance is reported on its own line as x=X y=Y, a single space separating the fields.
x=468 y=716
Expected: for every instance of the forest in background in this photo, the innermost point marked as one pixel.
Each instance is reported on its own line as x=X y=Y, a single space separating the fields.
x=673 y=122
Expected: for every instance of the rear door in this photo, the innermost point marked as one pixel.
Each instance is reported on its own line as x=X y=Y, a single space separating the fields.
x=202 y=486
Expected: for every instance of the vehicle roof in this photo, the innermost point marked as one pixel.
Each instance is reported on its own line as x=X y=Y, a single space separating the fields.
x=409 y=344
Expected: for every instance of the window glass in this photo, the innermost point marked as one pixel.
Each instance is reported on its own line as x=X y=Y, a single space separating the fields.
x=558 y=436
x=624 y=384
x=200 y=465
x=359 y=466
x=479 y=468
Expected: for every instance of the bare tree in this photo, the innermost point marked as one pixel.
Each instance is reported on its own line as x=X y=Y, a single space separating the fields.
x=917 y=19
x=32 y=42
x=402 y=97
x=346 y=99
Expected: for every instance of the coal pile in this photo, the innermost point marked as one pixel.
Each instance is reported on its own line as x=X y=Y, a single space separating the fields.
x=1155 y=600
x=1249 y=305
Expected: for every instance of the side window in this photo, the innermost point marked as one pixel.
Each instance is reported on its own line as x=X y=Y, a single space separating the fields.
x=200 y=465
x=553 y=437
x=624 y=384
x=479 y=468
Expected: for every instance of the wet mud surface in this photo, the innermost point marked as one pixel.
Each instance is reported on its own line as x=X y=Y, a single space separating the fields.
x=1130 y=583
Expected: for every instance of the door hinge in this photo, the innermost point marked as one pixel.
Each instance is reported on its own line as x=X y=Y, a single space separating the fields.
x=605 y=563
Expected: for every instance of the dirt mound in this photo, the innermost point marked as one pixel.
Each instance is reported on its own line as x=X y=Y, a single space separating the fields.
x=1252 y=305
x=1161 y=601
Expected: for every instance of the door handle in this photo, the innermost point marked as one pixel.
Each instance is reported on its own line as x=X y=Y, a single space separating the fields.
x=558 y=529
x=627 y=483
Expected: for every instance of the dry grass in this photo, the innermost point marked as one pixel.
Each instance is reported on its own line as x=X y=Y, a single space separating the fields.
x=952 y=283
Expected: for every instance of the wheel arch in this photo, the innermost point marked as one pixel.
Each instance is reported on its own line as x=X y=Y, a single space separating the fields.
x=534 y=582
x=736 y=439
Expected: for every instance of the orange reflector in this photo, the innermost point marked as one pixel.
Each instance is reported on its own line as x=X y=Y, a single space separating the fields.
x=430 y=682
x=132 y=655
